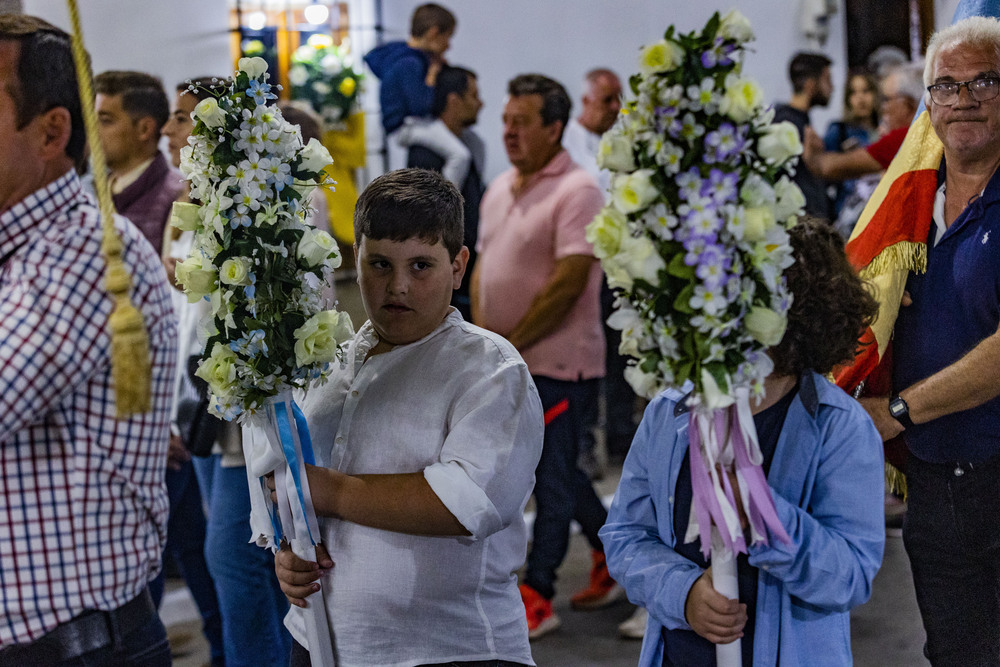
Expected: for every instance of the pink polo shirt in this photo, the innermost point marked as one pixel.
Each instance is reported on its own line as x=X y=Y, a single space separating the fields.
x=520 y=239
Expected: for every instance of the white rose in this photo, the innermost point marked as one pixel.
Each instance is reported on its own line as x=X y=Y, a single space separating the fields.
x=315 y=157
x=756 y=191
x=317 y=340
x=765 y=325
x=219 y=369
x=735 y=26
x=757 y=221
x=779 y=142
x=208 y=112
x=321 y=87
x=618 y=277
x=197 y=280
x=634 y=192
x=627 y=321
x=185 y=217
x=661 y=56
x=605 y=232
x=713 y=397
x=298 y=75
x=741 y=100
x=315 y=247
x=615 y=153
x=331 y=65
x=640 y=259
x=253 y=67
x=644 y=384
x=235 y=271
x=790 y=199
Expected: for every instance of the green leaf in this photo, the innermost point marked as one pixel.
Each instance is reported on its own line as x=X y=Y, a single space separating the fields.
x=679 y=269
x=681 y=303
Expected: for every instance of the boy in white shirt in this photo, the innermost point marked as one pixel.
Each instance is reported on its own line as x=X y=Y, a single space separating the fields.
x=428 y=438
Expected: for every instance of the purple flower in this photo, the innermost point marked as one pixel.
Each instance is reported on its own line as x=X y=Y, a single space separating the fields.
x=720 y=186
x=712 y=266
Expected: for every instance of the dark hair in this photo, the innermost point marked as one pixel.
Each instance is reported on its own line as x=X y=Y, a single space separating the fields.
x=831 y=305
x=872 y=85
x=411 y=203
x=46 y=76
x=805 y=66
x=310 y=127
x=142 y=94
x=203 y=87
x=449 y=80
x=555 y=101
x=430 y=16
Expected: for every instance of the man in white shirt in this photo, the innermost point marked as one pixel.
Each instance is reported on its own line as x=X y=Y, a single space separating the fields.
x=600 y=105
x=428 y=438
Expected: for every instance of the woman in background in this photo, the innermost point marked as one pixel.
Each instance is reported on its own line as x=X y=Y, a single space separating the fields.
x=858 y=127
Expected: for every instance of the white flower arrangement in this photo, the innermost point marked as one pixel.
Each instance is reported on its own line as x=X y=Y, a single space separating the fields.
x=695 y=238
x=254 y=258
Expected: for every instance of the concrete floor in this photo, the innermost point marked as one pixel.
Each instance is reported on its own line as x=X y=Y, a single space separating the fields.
x=885 y=632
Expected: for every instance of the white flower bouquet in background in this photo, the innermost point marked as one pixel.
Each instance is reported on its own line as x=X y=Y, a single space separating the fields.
x=694 y=241
x=261 y=267
x=323 y=75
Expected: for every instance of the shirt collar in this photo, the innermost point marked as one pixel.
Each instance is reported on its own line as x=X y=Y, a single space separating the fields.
x=17 y=222
x=131 y=176
x=560 y=163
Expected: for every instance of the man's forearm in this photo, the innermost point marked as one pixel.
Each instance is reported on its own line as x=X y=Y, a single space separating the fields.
x=844 y=166
x=549 y=309
x=965 y=384
x=402 y=503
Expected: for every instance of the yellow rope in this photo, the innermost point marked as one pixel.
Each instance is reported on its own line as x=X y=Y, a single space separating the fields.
x=130 y=364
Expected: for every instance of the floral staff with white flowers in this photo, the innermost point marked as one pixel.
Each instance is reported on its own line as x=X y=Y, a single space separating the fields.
x=261 y=267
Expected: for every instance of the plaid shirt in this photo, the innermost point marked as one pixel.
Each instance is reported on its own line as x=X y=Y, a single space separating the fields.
x=83 y=505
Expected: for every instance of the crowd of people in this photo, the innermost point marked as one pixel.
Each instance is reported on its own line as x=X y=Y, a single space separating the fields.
x=478 y=382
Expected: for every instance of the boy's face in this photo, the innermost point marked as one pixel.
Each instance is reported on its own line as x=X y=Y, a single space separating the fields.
x=437 y=42
x=406 y=285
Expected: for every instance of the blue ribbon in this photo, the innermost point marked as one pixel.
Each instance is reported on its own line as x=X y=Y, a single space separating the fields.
x=288 y=446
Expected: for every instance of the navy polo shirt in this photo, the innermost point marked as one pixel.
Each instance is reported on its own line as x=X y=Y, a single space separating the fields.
x=956 y=304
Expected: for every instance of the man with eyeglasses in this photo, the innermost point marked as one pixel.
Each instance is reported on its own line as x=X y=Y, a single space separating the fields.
x=946 y=357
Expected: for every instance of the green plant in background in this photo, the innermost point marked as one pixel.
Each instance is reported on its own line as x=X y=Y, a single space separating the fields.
x=323 y=75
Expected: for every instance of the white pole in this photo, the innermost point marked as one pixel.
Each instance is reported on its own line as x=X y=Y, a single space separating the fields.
x=724 y=580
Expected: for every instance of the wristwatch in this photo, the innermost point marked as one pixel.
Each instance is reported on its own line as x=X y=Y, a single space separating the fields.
x=900 y=411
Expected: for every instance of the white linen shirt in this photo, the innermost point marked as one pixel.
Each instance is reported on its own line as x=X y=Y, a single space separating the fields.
x=460 y=405
x=582 y=145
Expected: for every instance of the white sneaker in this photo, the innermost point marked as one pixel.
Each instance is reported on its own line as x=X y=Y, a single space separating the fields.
x=635 y=626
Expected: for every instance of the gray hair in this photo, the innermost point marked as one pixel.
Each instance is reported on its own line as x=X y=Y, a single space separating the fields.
x=978 y=32
x=909 y=80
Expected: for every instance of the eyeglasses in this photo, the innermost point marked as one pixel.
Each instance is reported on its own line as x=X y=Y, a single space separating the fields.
x=981 y=90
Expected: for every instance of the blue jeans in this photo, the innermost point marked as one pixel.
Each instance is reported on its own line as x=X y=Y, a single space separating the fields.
x=952 y=535
x=563 y=492
x=253 y=606
x=186 y=544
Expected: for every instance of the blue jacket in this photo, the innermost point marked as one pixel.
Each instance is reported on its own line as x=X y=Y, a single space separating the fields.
x=403 y=91
x=827 y=482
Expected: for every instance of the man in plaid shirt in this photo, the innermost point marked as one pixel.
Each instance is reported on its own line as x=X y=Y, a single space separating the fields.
x=83 y=506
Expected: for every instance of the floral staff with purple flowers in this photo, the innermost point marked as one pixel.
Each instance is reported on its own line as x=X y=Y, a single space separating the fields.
x=695 y=241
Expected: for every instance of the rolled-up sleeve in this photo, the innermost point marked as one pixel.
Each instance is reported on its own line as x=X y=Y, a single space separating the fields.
x=487 y=465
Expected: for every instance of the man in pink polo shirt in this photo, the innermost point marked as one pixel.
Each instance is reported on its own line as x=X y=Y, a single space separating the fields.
x=537 y=284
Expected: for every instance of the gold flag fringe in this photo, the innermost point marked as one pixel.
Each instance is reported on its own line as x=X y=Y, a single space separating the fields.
x=130 y=363
x=904 y=255
x=895 y=480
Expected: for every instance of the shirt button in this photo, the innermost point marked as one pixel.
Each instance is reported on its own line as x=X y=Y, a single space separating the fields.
x=354 y=392
x=340 y=440
x=959 y=472
x=766 y=568
x=670 y=500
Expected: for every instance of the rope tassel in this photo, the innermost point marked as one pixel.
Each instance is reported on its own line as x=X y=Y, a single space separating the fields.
x=130 y=364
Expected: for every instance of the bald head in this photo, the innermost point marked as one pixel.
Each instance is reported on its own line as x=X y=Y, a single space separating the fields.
x=601 y=100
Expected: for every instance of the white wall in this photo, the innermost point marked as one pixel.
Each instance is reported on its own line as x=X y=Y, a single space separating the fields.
x=173 y=39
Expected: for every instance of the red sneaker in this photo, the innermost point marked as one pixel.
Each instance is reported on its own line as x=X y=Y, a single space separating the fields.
x=541 y=619
x=602 y=591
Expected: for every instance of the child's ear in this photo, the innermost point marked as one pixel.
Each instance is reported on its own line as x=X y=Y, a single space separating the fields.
x=458 y=266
